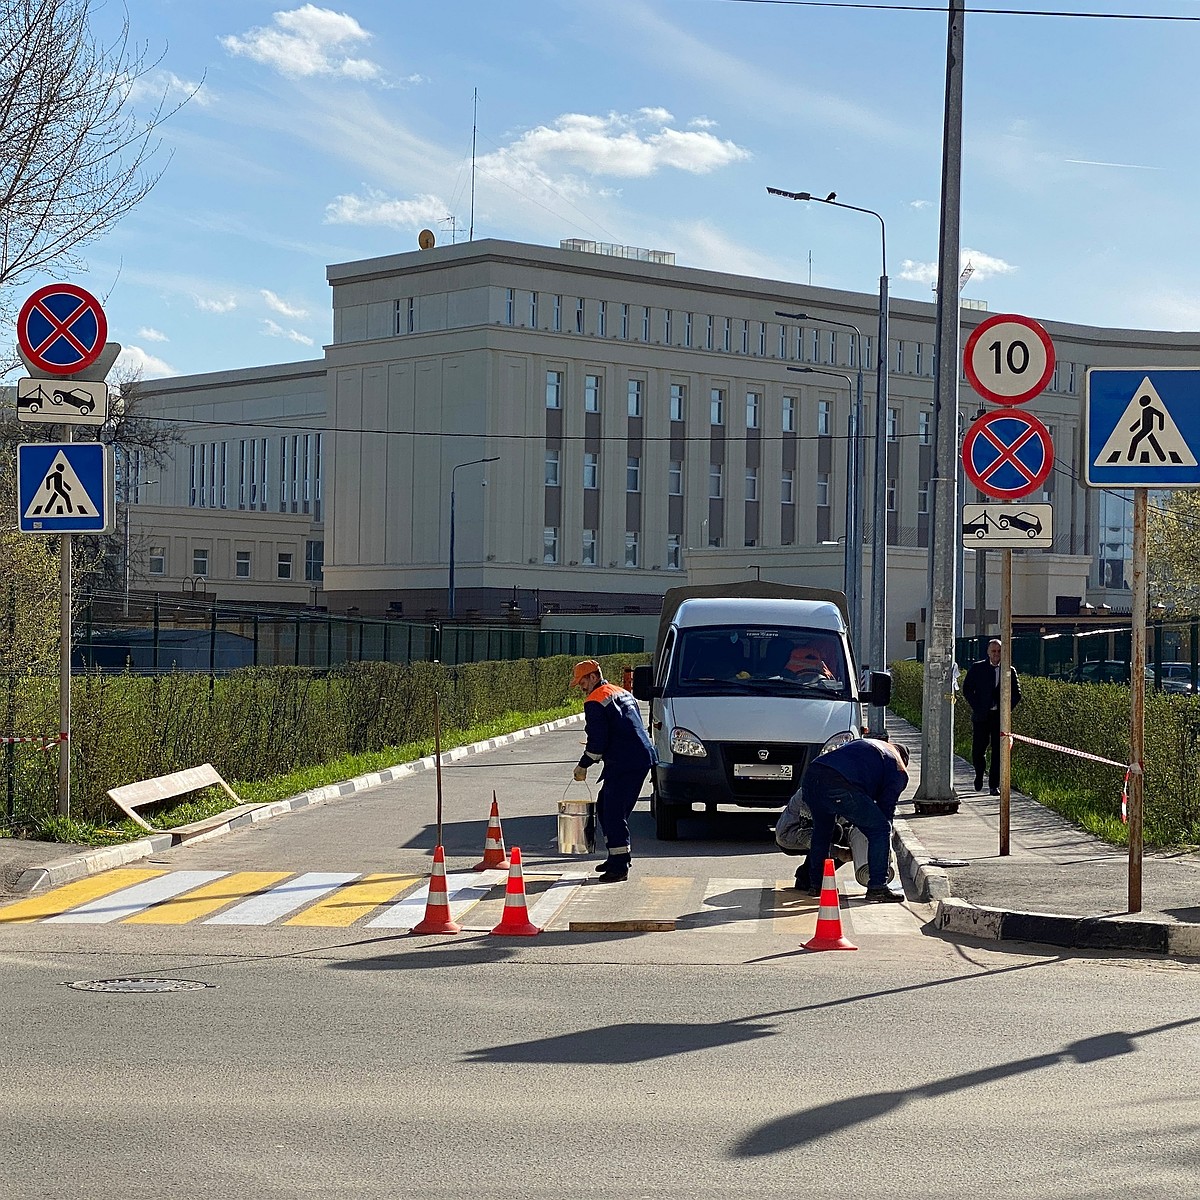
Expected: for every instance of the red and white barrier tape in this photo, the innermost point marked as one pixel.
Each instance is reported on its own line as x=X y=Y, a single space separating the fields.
x=46 y=739
x=1128 y=768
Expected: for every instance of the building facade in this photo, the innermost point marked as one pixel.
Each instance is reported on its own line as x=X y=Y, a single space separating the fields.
x=633 y=412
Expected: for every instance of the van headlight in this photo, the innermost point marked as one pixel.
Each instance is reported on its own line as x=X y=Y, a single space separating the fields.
x=838 y=739
x=686 y=744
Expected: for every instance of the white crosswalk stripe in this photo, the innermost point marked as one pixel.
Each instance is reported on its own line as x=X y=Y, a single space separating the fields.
x=283 y=899
x=133 y=899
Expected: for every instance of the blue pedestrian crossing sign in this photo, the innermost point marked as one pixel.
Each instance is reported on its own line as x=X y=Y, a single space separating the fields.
x=65 y=487
x=1142 y=427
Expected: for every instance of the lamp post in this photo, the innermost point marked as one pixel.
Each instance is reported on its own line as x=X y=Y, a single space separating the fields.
x=454 y=470
x=879 y=532
x=853 y=568
x=854 y=466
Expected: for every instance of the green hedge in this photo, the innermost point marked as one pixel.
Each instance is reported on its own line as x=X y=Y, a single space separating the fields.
x=1093 y=718
x=261 y=722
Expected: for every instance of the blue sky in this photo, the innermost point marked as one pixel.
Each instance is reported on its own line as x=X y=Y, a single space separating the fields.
x=325 y=134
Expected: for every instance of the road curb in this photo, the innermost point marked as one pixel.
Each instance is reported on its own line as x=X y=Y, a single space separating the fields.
x=1071 y=932
x=92 y=862
x=916 y=865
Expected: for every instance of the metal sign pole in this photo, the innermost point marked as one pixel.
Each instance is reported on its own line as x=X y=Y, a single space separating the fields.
x=64 y=670
x=1005 y=695
x=1137 y=698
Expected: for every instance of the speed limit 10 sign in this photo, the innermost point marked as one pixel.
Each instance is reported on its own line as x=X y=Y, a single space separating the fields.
x=1009 y=359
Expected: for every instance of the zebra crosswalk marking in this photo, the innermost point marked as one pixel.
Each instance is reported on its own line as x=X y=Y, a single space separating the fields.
x=725 y=903
x=130 y=900
x=190 y=906
x=354 y=901
x=59 y=899
x=792 y=914
x=554 y=899
x=463 y=891
x=284 y=899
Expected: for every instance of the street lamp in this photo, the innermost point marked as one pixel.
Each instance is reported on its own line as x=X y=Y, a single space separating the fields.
x=879 y=533
x=854 y=464
x=473 y=463
x=853 y=566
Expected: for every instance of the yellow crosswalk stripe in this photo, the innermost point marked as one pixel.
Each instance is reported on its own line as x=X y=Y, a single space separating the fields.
x=201 y=901
x=71 y=895
x=792 y=913
x=347 y=904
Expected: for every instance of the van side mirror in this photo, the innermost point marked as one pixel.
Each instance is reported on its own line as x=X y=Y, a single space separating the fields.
x=880 y=693
x=643 y=684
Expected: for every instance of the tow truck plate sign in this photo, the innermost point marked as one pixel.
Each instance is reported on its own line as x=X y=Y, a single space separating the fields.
x=1011 y=526
x=62 y=401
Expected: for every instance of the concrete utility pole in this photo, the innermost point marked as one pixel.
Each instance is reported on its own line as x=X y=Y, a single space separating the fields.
x=936 y=792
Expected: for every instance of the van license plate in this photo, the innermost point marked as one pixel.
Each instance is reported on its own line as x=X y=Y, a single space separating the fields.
x=762 y=770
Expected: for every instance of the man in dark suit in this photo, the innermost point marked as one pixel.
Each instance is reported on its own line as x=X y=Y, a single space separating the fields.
x=981 y=688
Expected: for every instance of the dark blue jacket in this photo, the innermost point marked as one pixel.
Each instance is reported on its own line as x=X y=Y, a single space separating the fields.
x=871 y=767
x=615 y=733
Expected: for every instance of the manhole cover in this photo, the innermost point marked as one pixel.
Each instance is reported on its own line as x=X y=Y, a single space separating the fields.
x=139 y=985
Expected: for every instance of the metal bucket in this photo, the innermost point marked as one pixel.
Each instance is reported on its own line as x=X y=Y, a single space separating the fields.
x=576 y=827
x=858 y=846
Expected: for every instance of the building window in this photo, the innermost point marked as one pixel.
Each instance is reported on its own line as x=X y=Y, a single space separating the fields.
x=591 y=471
x=917 y=348
x=314 y=561
x=508 y=306
x=687 y=330
x=832 y=359
x=716 y=406
x=631 y=548
x=822 y=489
x=751 y=483
x=675 y=477
x=727 y=335
x=241 y=567
x=624 y=320
x=533 y=310
x=579 y=315
x=635 y=397
x=633 y=474
x=745 y=337
x=157 y=560
x=893 y=423
x=924 y=427
x=716 y=478
x=708 y=332
x=406 y=316
x=762 y=339
x=900 y=357
x=678 y=401
x=556 y=321
x=891 y=495
x=787 y=487
x=200 y=563
x=552 y=468
x=666 y=327
x=753 y=405
x=646 y=323
x=923 y=496
x=591 y=393
x=554 y=385
x=283 y=567
x=587 y=554
x=674 y=553
x=602 y=319
x=783 y=341
x=868 y=354
x=851 y=352
x=816 y=346
x=823 y=418
x=550 y=544
x=789 y=414
x=1070 y=377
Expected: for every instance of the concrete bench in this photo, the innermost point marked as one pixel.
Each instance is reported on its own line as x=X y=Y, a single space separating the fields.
x=132 y=796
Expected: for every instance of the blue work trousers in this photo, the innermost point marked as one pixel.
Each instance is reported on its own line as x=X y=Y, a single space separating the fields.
x=619 y=793
x=830 y=796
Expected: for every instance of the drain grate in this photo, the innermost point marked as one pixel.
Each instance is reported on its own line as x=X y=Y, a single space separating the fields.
x=137 y=984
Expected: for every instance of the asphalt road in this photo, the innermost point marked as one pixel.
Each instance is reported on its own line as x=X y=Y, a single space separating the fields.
x=716 y=1060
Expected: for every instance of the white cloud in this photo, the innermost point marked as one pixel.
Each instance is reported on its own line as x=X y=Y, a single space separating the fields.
x=985 y=266
x=210 y=305
x=919 y=204
x=376 y=208
x=275 y=304
x=307 y=41
x=168 y=85
x=152 y=335
x=135 y=363
x=615 y=145
x=292 y=335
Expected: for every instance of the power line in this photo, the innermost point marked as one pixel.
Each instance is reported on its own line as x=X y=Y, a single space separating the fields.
x=940 y=9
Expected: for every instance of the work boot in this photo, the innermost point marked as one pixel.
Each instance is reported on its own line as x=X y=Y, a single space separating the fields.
x=883 y=895
x=611 y=861
x=618 y=872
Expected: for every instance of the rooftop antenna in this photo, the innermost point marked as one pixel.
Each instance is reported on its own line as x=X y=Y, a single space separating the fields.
x=452 y=222
x=474 y=127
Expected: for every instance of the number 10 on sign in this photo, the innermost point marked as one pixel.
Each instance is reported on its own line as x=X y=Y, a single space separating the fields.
x=1009 y=359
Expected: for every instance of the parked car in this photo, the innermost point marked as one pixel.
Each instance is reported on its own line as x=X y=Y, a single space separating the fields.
x=75 y=398
x=1176 y=677
x=1027 y=521
x=1111 y=670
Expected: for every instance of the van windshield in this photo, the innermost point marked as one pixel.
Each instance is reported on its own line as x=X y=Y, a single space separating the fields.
x=771 y=661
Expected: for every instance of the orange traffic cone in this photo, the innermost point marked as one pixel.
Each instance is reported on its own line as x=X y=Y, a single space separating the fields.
x=514 y=921
x=437 y=907
x=493 y=844
x=829 y=918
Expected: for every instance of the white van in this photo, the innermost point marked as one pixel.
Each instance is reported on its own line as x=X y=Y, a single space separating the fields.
x=749 y=685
